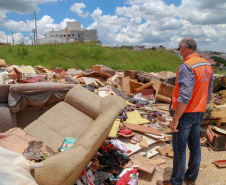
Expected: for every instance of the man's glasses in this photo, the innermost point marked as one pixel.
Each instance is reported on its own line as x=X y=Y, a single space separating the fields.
x=178 y=49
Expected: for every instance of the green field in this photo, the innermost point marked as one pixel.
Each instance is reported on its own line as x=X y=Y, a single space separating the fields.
x=84 y=56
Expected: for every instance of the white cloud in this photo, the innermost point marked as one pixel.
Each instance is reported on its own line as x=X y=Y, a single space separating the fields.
x=137 y=2
x=17 y=37
x=203 y=11
x=44 y=25
x=169 y=24
x=107 y=26
x=78 y=8
x=2 y=14
x=96 y=14
x=150 y=10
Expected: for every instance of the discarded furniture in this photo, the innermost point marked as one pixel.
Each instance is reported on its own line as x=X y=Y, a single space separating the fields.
x=83 y=115
x=20 y=104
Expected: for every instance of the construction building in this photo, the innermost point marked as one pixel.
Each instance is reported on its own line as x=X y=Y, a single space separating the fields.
x=72 y=33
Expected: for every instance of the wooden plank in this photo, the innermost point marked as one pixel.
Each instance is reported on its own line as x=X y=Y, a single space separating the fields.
x=142 y=129
x=143 y=163
x=114 y=129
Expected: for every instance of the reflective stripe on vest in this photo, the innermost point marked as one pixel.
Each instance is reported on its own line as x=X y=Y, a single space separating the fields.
x=203 y=72
x=201 y=64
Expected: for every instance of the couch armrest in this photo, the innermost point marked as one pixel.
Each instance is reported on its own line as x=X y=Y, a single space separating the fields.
x=64 y=168
x=84 y=100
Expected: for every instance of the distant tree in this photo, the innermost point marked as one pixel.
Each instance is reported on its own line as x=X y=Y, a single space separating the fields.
x=126 y=47
x=219 y=60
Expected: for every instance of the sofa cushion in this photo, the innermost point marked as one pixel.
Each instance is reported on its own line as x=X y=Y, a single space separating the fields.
x=61 y=121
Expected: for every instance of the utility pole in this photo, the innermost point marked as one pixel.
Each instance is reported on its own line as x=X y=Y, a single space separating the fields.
x=45 y=36
x=22 y=40
x=13 y=38
x=34 y=35
x=36 y=28
x=7 y=39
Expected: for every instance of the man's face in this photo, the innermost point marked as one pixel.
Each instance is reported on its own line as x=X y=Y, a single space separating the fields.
x=181 y=49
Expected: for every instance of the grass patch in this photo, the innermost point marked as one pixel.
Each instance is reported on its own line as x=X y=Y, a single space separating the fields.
x=84 y=56
x=220 y=72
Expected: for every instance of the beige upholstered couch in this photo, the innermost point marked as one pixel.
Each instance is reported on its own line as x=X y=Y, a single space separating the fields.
x=21 y=104
x=83 y=115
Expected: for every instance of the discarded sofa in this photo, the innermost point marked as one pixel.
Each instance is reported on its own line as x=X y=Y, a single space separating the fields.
x=83 y=115
x=20 y=104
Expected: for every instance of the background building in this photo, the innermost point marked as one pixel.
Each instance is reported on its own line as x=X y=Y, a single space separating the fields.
x=72 y=33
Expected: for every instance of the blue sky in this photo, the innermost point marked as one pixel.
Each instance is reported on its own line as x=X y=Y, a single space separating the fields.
x=121 y=22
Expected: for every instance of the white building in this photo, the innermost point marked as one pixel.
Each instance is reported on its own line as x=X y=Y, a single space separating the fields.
x=72 y=33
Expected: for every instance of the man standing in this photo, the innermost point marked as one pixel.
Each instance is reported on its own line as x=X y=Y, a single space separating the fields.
x=193 y=90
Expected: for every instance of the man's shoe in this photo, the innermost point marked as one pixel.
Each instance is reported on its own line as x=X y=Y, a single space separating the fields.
x=188 y=182
x=159 y=182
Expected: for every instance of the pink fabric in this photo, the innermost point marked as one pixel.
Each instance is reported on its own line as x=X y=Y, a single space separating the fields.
x=125 y=131
x=125 y=178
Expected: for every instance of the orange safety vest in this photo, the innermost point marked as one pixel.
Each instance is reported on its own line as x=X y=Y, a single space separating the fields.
x=203 y=72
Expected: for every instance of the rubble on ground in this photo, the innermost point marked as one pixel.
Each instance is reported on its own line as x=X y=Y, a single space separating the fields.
x=141 y=131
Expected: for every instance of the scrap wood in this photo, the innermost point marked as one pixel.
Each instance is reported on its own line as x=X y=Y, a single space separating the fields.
x=222 y=131
x=163 y=137
x=123 y=85
x=166 y=150
x=160 y=161
x=166 y=130
x=41 y=70
x=134 y=85
x=220 y=163
x=93 y=82
x=144 y=164
x=142 y=129
x=151 y=151
x=144 y=143
x=134 y=117
x=163 y=108
x=114 y=129
x=136 y=147
x=160 y=118
x=145 y=86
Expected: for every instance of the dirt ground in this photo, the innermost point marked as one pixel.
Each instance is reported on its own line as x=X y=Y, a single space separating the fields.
x=209 y=174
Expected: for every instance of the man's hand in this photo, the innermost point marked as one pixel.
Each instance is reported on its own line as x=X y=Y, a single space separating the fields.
x=178 y=113
x=173 y=125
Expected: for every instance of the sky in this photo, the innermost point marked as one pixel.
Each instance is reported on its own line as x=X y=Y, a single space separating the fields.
x=120 y=22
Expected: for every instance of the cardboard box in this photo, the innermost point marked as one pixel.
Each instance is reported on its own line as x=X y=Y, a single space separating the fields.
x=216 y=139
x=131 y=73
x=124 y=85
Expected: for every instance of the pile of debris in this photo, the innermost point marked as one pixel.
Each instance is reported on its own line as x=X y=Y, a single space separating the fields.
x=141 y=130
